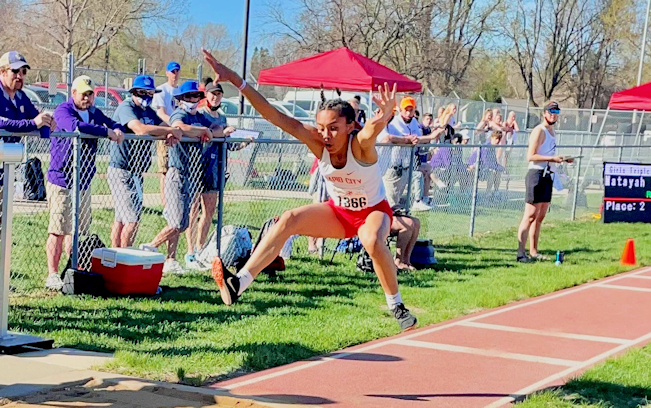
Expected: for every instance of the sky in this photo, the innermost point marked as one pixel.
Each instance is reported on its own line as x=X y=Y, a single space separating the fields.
x=231 y=14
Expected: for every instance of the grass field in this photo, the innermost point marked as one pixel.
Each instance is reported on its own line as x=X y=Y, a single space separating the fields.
x=187 y=334
x=624 y=382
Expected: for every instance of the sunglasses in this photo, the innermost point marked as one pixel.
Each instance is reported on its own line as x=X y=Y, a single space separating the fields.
x=87 y=94
x=19 y=70
x=174 y=71
x=194 y=95
x=143 y=93
x=554 y=111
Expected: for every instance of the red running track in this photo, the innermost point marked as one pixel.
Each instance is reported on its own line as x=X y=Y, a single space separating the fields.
x=487 y=359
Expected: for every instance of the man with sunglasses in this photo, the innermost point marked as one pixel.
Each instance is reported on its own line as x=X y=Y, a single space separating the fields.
x=183 y=181
x=131 y=158
x=78 y=113
x=542 y=159
x=17 y=113
x=164 y=104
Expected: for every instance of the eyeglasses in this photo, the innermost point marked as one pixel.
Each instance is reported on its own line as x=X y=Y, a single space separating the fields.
x=22 y=70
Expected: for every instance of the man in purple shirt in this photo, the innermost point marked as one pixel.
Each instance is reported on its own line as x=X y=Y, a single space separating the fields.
x=78 y=113
x=17 y=113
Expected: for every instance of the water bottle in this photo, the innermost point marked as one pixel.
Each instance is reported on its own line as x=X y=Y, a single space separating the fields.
x=559 y=257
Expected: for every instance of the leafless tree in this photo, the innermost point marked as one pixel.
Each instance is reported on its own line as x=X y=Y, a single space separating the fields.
x=83 y=27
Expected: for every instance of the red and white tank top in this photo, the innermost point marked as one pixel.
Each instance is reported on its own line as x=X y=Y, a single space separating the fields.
x=355 y=186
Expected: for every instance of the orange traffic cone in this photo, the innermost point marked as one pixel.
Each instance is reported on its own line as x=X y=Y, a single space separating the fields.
x=628 y=256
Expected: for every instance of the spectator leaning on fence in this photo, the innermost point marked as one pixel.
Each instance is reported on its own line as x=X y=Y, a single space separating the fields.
x=164 y=104
x=131 y=158
x=17 y=113
x=197 y=232
x=78 y=113
x=184 y=179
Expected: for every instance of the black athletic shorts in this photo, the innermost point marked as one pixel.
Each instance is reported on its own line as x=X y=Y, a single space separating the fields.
x=538 y=187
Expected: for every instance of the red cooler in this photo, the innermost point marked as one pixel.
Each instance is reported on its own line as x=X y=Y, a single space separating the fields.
x=129 y=271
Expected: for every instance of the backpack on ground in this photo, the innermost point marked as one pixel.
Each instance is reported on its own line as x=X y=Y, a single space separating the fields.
x=364 y=262
x=277 y=264
x=32 y=179
x=235 y=247
x=85 y=252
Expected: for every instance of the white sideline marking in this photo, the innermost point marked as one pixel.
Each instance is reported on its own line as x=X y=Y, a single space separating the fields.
x=640 y=277
x=433 y=329
x=621 y=287
x=573 y=336
x=488 y=353
x=534 y=387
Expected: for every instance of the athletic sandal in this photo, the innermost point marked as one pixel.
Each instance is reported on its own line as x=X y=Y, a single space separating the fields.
x=539 y=257
x=228 y=283
x=523 y=259
x=406 y=320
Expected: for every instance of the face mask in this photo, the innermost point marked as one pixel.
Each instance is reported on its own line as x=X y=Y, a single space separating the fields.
x=215 y=108
x=188 y=106
x=144 y=101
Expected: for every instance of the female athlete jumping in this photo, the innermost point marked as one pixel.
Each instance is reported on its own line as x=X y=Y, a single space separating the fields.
x=348 y=161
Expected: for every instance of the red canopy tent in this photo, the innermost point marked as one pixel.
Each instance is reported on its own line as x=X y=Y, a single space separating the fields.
x=340 y=68
x=636 y=98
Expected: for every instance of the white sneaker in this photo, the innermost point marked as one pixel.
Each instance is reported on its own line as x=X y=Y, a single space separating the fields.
x=174 y=267
x=148 y=247
x=420 y=206
x=440 y=184
x=53 y=282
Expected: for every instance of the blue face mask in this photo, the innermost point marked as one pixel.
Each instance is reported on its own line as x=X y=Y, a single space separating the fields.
x=144 y=101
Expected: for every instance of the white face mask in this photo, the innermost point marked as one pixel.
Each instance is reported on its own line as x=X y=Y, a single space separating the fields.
x=190 y=107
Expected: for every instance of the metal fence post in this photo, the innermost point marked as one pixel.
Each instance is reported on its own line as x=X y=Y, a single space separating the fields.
x=199 y=72
x=411 y=175
x=620 y=154
x=76 y=189
x=475 y=188
x=5 y=246
x=576 y=184
x=222 y=183
x=71 y=72
x=106 y=87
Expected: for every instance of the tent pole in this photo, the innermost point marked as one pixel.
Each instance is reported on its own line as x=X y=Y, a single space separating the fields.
x=294 y=107
x=603 y=123
x=369 y=114
x=312 y=105
x=639 y=127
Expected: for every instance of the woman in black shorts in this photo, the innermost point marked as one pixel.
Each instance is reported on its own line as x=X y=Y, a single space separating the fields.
x=542 y=158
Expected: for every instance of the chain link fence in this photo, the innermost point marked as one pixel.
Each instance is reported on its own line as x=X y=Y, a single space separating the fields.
x=454 y=189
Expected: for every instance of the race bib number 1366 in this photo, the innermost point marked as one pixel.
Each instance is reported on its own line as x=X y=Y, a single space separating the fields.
x=351 y=200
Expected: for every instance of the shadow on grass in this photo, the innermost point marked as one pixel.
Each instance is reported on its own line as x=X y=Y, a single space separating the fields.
x=600 y=393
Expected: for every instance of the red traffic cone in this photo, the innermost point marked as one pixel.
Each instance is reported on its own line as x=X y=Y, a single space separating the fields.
x=628 y=256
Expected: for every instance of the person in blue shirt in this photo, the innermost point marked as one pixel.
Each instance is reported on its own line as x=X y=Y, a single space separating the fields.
x=183 y=181
x=77 y=113
x=131 y=158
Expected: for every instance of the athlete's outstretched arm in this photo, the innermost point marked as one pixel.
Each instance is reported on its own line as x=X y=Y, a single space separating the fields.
x=303 y=132
x=386 y=102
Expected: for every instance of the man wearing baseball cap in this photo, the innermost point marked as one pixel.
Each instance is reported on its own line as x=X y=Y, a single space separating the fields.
x=17 y=112
x=131 y=158
x=183 y=181
x=78 y=113
x=404 y=130
x=164 y=104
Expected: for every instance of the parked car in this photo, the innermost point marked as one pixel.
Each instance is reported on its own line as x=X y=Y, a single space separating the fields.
x=254 y=121
x=115 y=95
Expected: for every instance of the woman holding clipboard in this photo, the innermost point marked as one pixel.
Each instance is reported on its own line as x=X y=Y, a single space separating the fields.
x=542 y=159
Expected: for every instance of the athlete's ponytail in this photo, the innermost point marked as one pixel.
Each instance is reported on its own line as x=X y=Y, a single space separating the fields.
x=338 y=105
